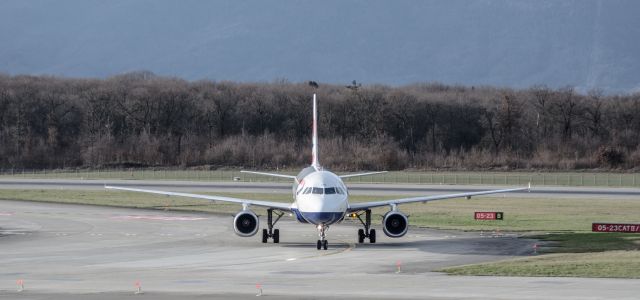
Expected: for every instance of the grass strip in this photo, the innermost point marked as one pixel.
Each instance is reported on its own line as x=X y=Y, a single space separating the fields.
x=521 y=214
x=609 y=264
x=411 y=177
x=607 y=255
x=588 y=242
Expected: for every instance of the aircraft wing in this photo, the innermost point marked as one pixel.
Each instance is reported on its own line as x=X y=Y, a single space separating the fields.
x=269 y=174
x=361 y=174
x=244 y=202
x=366 y=205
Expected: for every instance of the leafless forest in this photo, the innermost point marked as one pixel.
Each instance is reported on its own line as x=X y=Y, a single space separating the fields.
x=141 y=120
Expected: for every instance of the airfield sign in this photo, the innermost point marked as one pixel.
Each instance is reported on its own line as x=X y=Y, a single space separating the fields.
x=613 y=227
x=485 y=215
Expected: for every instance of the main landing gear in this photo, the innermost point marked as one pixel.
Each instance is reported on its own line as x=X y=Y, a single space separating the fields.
x=322 y=242
x=366 y=232
x=272 y=233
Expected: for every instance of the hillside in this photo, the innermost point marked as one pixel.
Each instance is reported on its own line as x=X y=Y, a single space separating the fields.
x=586 y=44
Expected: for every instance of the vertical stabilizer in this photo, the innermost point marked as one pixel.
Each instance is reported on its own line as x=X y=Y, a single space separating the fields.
x=314 y=139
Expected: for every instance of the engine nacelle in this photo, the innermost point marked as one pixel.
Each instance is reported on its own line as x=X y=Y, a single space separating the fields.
x=246 y=223
x=395 y=224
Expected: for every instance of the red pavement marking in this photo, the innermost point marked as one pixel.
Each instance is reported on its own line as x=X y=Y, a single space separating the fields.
x=157 y=218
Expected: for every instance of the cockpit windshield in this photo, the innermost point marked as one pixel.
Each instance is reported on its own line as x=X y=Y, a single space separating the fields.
x=321 y=191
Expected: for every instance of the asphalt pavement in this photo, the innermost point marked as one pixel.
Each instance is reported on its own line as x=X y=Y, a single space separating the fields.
x=87 y=252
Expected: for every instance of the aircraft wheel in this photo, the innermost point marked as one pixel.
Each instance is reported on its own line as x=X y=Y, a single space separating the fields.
x=360 y=236
x=276 y=236
x=372 y=236
x=265 y=235
x=319 y=244
x=325 y=244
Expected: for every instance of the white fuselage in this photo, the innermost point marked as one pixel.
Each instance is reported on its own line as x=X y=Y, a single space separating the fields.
x=320 y=198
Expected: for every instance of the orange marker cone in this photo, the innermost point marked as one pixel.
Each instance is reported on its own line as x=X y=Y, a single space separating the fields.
x=259 y=288
x=398 y=266
x=20 y=284
x=138 y=287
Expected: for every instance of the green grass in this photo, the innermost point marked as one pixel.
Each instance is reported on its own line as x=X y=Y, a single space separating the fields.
x=588 y=254
x=131 y=199
x=411 y=177
x=588 y=242
x=523 y=214
x=520 y=214
x=610 y=264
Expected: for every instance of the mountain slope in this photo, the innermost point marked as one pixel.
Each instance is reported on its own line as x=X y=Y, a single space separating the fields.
x=587 y=44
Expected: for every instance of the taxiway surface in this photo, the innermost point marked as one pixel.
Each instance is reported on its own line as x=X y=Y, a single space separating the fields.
x=87 y=252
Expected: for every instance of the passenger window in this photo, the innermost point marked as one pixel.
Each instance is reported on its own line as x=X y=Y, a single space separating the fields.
x=317 y=190
x=330 y=191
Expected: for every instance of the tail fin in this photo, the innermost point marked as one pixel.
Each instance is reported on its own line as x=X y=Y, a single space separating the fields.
x=314 y=139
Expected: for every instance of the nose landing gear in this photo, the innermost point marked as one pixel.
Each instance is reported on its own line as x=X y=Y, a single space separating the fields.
x=322 y=242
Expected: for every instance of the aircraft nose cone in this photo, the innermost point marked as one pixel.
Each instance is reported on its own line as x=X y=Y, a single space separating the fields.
x=322 y=217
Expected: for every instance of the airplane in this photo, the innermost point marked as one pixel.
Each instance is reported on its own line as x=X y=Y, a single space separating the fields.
x=320 y=198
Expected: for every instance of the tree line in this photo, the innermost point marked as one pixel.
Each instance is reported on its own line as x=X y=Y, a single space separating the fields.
x=142 y=120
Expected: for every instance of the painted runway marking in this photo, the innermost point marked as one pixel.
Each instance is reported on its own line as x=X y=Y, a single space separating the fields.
x=291 y=259
x=6 y=214
x=157 y=218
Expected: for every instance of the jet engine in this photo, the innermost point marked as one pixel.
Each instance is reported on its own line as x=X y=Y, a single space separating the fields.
x=245 y=223
x=395 y=224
